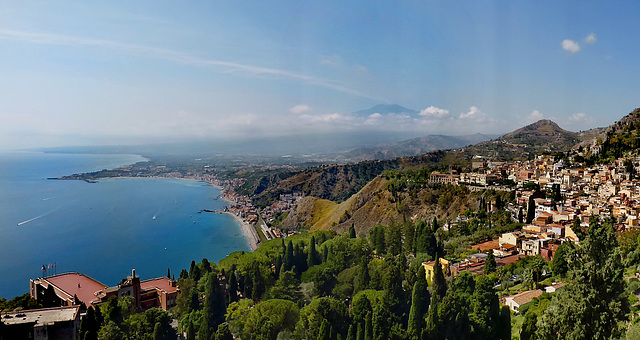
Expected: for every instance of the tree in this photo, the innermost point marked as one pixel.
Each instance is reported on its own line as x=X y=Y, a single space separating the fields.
x=223 y=332
x=312 y=258
x=289 y=260
x=520 y=216
x=531 y=210
x=529 y=326
x=157 y=332
x=419 y=305
x=325 y=330
x=214 y=306
x=361 y=281
x=594 y=304
x=169 y=273
x=559 y=264
x=233 y=287
x=110 y=331
x=439 y=282
x=490 y=263
x=352 y=231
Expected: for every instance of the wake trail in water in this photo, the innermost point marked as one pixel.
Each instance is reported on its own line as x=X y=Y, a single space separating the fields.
x=35 y=218
x=48 y=198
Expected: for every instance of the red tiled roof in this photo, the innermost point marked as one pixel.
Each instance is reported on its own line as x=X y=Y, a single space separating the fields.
x=161 y=283
x=77 y=284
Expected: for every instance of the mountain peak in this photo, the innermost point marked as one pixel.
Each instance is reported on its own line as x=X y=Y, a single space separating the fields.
x=386 y=109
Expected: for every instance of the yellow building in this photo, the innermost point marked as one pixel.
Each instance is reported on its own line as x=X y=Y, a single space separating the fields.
x=430 y=266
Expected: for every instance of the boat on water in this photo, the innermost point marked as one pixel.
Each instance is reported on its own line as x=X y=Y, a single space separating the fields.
x=153 y=218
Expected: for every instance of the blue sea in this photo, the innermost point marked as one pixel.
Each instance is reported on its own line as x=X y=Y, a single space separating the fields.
x=103 y=229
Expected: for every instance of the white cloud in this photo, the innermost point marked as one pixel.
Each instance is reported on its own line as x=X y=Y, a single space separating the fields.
x=535 y=116
x=590 y=39
x=473 y=114
x=298 y=109
x=434 y=112
x=570 y=45
x=361 y=68
x=375 y=115
x=579 y=117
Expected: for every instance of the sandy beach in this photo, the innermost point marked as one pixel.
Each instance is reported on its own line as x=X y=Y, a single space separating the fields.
x=248 y=231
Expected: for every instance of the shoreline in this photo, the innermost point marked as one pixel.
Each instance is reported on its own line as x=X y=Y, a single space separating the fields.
x=248 y=231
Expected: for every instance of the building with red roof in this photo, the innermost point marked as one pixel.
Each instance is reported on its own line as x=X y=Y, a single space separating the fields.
x=75 y=288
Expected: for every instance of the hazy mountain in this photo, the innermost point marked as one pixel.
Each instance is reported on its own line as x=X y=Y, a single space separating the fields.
x=415 y=146
x=386 y=109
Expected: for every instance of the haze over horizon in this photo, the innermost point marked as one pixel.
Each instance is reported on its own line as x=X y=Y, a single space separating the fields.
x=151 y=72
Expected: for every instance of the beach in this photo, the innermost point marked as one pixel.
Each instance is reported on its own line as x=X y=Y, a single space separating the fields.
x=248 y=231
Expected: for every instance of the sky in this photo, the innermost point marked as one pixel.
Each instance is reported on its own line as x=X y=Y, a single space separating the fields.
x=127 y=72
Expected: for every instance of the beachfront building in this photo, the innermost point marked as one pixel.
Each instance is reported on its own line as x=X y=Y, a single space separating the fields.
x=75 y=288
x=42 y=324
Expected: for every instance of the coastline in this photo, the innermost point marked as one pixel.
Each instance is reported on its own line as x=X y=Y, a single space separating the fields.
x=247 y=230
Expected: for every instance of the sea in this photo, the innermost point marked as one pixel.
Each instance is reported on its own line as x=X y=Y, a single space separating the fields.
x=103 y=229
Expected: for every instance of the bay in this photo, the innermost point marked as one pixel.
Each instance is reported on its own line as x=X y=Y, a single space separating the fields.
x=103 y=229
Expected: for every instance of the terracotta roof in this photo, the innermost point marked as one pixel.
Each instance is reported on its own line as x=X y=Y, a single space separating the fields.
x=161 y=283
x=77 y=284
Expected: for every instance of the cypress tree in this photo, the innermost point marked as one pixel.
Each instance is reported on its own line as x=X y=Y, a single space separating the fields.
x=352 y=231
x=351 y=333
x=368 y=327
x=313 y=255
x=360 y=333
x=191 y=333
x=435 y=225
x=361 y=281
x=531 y=210
x=490 y=263
x=288 y=257
x=419 y=305
x=325 y=330
x=169 y=273
x=520 y=216
x=439 y=282
x=157 y=331
x=233 y=287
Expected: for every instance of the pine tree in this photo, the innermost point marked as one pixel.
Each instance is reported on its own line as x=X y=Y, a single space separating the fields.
x=490 y=263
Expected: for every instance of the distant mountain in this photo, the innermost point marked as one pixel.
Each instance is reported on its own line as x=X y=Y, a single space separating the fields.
x=384 y=109
x=414 y=147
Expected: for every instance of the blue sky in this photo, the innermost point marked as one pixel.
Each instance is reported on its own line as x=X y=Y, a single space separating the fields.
x=130 y=72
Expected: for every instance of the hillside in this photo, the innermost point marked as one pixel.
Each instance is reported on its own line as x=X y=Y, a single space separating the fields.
x=543 y=136
x=619 y=138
